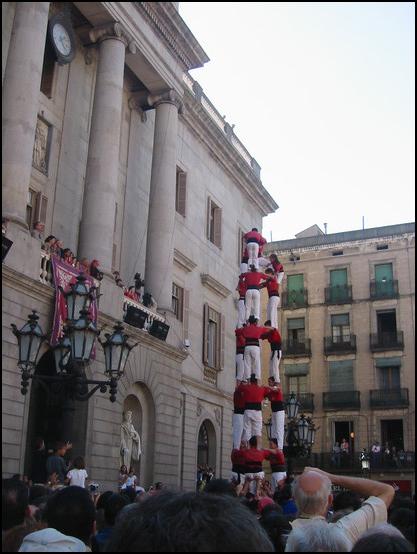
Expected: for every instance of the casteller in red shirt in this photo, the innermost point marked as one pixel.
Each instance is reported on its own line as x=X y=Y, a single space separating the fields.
x=254 y=236
x=253 y=459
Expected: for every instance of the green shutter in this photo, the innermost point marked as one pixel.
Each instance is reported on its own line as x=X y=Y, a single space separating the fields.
x=295 y=282
x=294 y=370
x=296 y=323
x=341 y=376
x=338 y=277
x=388 y=362
x=340 y=319
x=383 y=272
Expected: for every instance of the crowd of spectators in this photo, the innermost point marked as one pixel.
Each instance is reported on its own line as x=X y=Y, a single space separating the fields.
x=223 y=517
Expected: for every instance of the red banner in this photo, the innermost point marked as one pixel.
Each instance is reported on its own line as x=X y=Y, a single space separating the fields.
x=65 y=275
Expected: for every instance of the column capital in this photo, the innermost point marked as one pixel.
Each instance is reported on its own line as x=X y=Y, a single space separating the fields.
x=113 y=30
x=139 y=101
x=169 y=96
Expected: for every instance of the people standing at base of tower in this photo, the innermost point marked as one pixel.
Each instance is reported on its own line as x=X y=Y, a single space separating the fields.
x=254 y=240
x=277 y=412
x=253 y=280
x=276 y=458
x=274 y=339
x=252 y=353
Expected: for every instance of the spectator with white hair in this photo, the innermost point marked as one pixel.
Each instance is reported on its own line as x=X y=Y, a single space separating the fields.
x=317 y=536
x=313 y=496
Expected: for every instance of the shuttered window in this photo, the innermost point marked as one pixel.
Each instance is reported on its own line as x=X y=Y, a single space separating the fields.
x=296 y=330
x=180 y=192
x=214 y=223
x=177 y=301
x=186 y=314
x=41 y=208
x=30 y=208
x=389 y=377
x=338 y=277
x=340 y=328
x=213 y=338
x=341 y=376
x=384 y=280
x=297 y=384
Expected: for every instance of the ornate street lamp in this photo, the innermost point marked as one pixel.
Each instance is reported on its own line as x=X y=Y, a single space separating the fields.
x=302 y=426
x=82 y=334
x=311 y=432
x=62 y=352
x=292 y=406
x=29 y=338
x=79 y=297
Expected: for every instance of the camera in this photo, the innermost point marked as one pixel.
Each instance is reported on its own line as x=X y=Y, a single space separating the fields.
x=94 y=487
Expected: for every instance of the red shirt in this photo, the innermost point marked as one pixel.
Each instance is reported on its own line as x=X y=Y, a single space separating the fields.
x=253 y=333
x=242 y=287
x=275 y=395
x=254 y=459
x=272 y=286
x=239 y=401
x=240 y=337
x=238 y=457
x=254 y=278
x=272 y=335
x=278 y=267
x=276 y=459
x=254 y=394
x=254 y=236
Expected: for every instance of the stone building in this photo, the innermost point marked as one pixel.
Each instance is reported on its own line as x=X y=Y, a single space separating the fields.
x=348 y=327
x=109 y=141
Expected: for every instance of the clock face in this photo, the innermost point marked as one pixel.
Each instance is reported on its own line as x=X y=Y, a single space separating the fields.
x=62 y=39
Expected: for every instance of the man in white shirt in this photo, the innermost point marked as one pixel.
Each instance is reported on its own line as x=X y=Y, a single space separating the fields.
x=312 y=494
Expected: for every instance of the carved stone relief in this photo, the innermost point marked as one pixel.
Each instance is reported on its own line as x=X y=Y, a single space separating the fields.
x=41 y=146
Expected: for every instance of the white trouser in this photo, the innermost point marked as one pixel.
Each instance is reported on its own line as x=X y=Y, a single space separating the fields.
x=253 y=251
x=274 y=364
x=274 y=302
x=240 y=367
x=239 y=478
x=252 y=303
x=277 y=429
x=252 y=484
x=237 y=426
x=280 y=276
x=252 y=423
x=243 y=267
x=263 y=262
x=277 y=476
x=252 y=359
x=241 y=313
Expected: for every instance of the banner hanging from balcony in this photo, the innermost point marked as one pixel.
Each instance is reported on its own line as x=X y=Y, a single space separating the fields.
x=64 y=275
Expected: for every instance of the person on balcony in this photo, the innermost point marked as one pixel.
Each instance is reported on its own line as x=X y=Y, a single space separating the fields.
x=94 y=270
x=254 y=240
x=38 y=230
x=376 y=454
x=253 y=280
x=335 y=459
x=85 y=266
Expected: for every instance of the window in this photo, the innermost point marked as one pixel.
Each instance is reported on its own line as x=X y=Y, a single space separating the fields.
x=180 y=191
x=295 y=290
x=48 y=70
x=338 y=277
x=30 y=208
x=177 y=301
x=296 y=330
x=297 y=384
x=213 y=338
x=389 y=377
x=337 y=253
x=382 y=247
x=384 y=280
x=214 y=222
x=341 y=376
x=340 y=328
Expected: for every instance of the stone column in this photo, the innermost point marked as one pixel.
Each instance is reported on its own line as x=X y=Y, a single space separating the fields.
x=97 y=224
x=21 y=88
x=161 y=217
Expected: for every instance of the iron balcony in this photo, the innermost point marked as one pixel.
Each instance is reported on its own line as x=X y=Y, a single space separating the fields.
x=388 y=398
x=338 y=294
x=387 y=341
x=341 y=400
x=345 y=344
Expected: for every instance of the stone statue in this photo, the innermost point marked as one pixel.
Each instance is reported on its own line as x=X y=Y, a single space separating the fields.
x=130 y=449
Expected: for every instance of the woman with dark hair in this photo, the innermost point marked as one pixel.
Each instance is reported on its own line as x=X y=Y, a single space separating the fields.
x=123 y=475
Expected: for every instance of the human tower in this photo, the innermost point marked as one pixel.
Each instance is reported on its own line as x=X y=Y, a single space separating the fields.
x=247 y=456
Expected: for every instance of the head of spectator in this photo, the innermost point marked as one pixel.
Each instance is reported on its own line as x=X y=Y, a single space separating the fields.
x=112 y=507
x=50 y=242
x=402 y=518
x=94 y=270
x=220 y=486
x=123 y=470
x=382 y=538
x=312 y=493
x=100 y=505
x=401 y=502
x=15 y=503
x=13 y=538
x=85 y=265
x=317 y=536
x=38 y=230
x=72 y=512
x=79 y=462
x=60 y=448
x=276 y=525
x=67 y=254
x=265 y=502
x=346 y=500
x=51 y=540
x=189 y=522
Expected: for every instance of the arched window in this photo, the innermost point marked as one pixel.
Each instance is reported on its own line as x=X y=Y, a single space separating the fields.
x=206 y=448
x=203 y=445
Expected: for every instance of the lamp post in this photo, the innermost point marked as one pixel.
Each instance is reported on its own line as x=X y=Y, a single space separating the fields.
x=73 y=352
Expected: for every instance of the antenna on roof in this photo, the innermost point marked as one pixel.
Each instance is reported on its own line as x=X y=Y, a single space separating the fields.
x=363 y=222
x=325 y=228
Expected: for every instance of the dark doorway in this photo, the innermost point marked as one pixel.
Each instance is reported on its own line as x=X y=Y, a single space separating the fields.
x=387 y=325
x=392 y=433
x=52 y=416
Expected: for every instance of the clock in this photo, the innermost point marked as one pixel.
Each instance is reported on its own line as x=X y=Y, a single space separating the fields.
x=62 y=38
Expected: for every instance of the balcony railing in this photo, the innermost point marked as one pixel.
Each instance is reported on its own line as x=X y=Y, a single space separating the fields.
x=383 y=289
x=401 y=461
x=292 y=299
x=297 y=348
x=305 y=399
x=342 y=400
x=388 y=398
x=387 y=341
x=339 y=294
x=345 y=344
x=150 y=315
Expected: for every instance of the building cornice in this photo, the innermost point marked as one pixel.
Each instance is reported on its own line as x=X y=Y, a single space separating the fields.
x=214 y=285
x=207 y=389
x=202 y=125
x=183 y=262
x=167 y=22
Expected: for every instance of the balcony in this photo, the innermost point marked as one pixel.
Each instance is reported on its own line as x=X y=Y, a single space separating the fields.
x=379 y=290
x=402 y=461
x=341 y=400
x=297 y=348
x=345 y=344
x=293 y=299
x=386 y=341
x=305 y=399
x=385 y=399
x=339 y=294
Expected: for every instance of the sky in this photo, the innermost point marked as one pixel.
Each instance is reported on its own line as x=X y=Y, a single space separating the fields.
x=322 y=95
